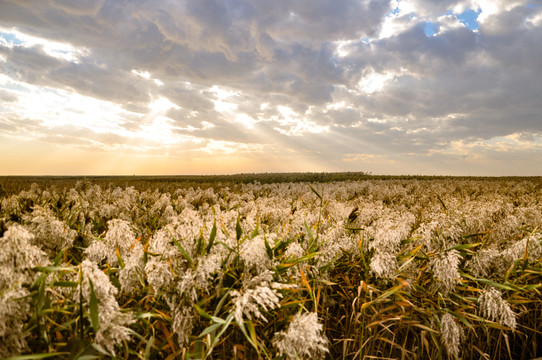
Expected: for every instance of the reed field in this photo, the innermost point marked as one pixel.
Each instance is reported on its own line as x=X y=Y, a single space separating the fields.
x=319 y=266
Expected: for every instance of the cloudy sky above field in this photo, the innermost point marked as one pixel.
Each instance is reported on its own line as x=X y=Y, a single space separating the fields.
x=214 y=87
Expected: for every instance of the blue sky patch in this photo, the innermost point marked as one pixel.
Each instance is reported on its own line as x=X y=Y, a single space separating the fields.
x=429 y=29
x=468 y=18
x=10 y=38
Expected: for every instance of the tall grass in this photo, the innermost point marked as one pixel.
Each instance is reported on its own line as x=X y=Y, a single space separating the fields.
x=389 y=269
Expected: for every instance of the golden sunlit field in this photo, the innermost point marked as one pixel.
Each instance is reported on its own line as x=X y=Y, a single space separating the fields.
x=271 y=266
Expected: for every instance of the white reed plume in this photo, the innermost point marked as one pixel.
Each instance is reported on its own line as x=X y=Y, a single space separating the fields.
x=390 y=229
x=17 y=257
x=253 y=253
x=258 y=293
x=159 y=274
x=532 y=244
x=493 y=307
x=119 y=236
x=451 y=334
x=183 y=316
x=50 y=234
x=304 y=338
x=131 y=276
x=483 y=261
x=112 y=328
x=383 y=265
x=249 y=303
x=294 y=251
x=445 y=270
x=14 y=311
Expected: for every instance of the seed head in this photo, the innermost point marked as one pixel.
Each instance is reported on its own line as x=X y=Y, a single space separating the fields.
x=445 y=270
x=451 y=334
x=254 y=254
x=493 y=307
x=304 y=338
x=383 y=265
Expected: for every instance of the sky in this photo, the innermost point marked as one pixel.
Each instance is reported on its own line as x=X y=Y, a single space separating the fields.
x=171 y=87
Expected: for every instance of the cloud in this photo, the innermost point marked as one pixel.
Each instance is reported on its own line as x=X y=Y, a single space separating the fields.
x=6 y=96
x=363 y=78
x=81 y=7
